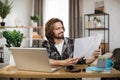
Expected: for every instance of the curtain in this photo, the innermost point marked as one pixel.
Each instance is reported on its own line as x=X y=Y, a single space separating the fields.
x=38 y=10
x=75 y=19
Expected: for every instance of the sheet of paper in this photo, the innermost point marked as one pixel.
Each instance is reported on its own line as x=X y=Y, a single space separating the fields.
x=84 y=47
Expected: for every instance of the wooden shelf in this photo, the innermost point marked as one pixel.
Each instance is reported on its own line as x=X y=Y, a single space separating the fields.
x=37 y=39
x=96 y=28
x=96 y=14
x=1 y=27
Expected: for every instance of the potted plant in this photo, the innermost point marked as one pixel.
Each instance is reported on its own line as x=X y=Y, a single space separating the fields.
x=5 y=8
x=13 y=38
x=34 y=19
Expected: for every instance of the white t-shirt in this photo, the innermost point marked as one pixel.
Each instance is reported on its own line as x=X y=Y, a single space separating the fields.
x=59 y=47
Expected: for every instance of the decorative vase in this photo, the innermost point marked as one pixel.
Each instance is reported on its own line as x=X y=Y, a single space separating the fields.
x=98 y=24
x=2 y=23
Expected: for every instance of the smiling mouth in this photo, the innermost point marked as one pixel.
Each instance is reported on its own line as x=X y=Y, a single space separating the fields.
x=61 y=33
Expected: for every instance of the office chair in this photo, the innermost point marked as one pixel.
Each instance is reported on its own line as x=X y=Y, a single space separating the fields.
x=116 y=58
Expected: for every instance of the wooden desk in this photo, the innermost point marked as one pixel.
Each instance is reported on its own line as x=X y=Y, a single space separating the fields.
x=13 y=72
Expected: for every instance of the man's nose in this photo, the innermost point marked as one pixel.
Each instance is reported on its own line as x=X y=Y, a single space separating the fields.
x=61 y=30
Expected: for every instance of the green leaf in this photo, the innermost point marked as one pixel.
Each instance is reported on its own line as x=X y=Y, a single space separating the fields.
x=5 y=8
x=13 y=38
x=35 y=18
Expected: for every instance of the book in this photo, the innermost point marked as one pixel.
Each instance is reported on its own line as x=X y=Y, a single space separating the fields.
x=84 y=47
x=95 y=69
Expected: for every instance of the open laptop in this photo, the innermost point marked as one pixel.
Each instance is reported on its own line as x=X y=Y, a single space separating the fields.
x=34 y=59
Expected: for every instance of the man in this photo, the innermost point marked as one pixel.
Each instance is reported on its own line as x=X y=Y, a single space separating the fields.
x=60 y=49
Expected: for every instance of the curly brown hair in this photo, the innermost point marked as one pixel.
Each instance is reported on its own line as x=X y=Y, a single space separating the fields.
x=49 y=28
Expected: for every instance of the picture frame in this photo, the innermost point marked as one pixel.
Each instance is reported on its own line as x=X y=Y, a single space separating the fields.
x=99 y=7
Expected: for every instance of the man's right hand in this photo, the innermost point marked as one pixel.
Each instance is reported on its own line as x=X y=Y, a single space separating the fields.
x=66 y=62
x=69 y=61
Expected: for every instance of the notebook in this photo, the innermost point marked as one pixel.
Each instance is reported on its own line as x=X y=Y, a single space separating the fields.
x=34 y=59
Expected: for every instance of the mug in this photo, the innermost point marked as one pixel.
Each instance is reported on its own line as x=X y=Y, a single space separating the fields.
x=105 y=63
x=109 y=63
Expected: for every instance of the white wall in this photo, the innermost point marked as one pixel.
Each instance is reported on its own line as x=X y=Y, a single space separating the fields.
x=112 y=7
x=19 y=16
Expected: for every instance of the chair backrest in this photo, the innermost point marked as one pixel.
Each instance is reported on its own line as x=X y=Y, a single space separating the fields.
x=116 y=58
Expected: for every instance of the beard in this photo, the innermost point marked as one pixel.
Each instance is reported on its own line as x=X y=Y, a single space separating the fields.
x=59 y=36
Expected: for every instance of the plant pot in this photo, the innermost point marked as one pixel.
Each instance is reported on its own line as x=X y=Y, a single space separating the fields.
x=2 y=23
x=34 y=24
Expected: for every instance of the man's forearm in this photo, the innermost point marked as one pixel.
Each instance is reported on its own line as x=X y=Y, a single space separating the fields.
x=91 y=60
x=66 y=62
x=55 y=62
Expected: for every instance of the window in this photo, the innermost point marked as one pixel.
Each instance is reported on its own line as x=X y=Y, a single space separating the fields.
x=57 y=9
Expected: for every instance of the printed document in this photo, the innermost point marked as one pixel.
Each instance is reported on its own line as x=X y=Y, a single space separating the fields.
x=84 y=47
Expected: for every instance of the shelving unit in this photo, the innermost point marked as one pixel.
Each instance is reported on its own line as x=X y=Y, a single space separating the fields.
x=1 y=54
x=95 y=24
x=1 y=47
x=36 y=39
x=37 y=36
x=28 y=41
